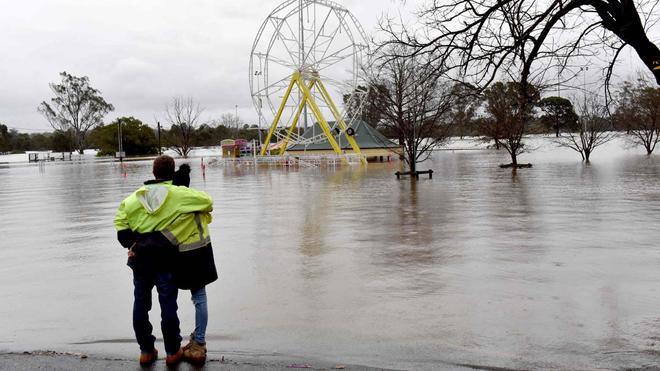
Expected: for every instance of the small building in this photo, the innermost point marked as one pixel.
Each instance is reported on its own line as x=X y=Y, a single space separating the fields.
x=235 y=148
x=229 y=148
x=373 y=144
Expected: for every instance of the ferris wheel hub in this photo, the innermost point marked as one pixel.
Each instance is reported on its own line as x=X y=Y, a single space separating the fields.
x=309 y=73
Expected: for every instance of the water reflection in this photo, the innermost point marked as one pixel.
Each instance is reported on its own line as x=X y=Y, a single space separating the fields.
x=554 y=266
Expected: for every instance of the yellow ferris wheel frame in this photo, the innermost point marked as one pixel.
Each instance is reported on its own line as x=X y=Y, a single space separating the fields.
x=308 y=100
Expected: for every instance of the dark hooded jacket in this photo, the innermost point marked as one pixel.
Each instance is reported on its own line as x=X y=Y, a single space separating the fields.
x=195 y=267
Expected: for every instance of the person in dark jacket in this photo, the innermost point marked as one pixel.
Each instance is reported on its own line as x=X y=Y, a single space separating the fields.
x=194 y=269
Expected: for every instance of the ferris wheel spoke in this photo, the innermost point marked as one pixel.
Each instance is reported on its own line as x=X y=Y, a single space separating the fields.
x=269 y=57
x=335 y=58
x=282 y=62
x=334 y=33
x=280 y=82
x=316 y=37
x=294 y=37
x=337 y=83
x=283 y=40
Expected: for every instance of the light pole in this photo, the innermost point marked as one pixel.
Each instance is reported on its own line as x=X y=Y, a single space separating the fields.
x=258 y=73
x=160 y=152
x=259 y=125
x=236 y=118
x=584 y=93
x=584 y=80
x=121 y=146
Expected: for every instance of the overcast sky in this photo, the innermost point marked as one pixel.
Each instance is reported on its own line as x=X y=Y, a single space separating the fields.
x=140 y=53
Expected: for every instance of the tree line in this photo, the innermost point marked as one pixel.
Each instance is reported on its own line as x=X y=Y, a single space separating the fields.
x=405 y=100
x=138 y=138
x=408 y=101
x=76 y=112
x=11 y=141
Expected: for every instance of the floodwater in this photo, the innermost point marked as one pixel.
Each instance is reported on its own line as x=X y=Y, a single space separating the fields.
x=556 y=266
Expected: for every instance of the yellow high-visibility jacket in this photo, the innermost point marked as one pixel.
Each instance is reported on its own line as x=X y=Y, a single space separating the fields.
x=181 y=214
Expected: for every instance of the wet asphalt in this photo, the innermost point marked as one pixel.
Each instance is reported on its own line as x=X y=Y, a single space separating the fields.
x=57 y=361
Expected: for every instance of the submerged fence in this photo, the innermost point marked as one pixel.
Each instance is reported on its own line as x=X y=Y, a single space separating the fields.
x=294 y=161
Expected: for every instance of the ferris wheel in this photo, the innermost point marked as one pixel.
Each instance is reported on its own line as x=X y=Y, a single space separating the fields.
x=319 y=47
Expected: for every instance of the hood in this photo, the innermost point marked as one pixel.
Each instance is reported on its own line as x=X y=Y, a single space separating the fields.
x=152 y=196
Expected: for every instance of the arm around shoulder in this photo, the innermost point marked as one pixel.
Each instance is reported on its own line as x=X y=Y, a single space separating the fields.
x=197 y=201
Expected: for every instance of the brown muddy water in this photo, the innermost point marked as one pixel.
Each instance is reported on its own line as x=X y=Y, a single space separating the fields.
x=557 y=266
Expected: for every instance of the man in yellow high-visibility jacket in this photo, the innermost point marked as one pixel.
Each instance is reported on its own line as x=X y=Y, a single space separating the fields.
x=151 y=223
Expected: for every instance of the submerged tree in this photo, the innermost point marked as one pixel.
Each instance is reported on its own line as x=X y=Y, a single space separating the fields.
x=479 y=39
x=592 y=129
x=183 y=114
x=638 y=112
x=509 y=112
x=76 y=107
x=558 y=113
x=413 y=103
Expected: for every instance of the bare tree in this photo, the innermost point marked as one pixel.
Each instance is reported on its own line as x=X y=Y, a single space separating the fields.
x=232 y=121
x=509 y=111
x=413 y=103
x=592 y=129
x=479 y=39
x=76 y=107
x=638 y=112
x=183 y=114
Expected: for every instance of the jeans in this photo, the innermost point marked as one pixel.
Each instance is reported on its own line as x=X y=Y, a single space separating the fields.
x=167 y=294
x=198 y=297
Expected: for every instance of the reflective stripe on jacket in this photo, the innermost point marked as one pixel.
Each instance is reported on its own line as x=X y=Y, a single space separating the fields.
x=189 y=231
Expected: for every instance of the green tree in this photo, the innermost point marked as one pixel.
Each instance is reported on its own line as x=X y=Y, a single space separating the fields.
x=19 y=142
x=249 y=134
x=62 y=141
x=4 y=139
x=41 y=141
x=224 y=132
x=466 y=100
x=510 y=107
x=76 y=106
x=137 y=138
x=206 y=136
x=638 y=112
x=558 y=113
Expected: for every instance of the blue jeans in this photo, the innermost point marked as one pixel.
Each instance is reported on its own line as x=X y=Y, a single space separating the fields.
x=167 y=294
x=198 y=297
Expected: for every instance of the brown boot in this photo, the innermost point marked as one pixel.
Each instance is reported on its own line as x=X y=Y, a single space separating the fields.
x=194 y=352
x=173 y=359
x=148 y=358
